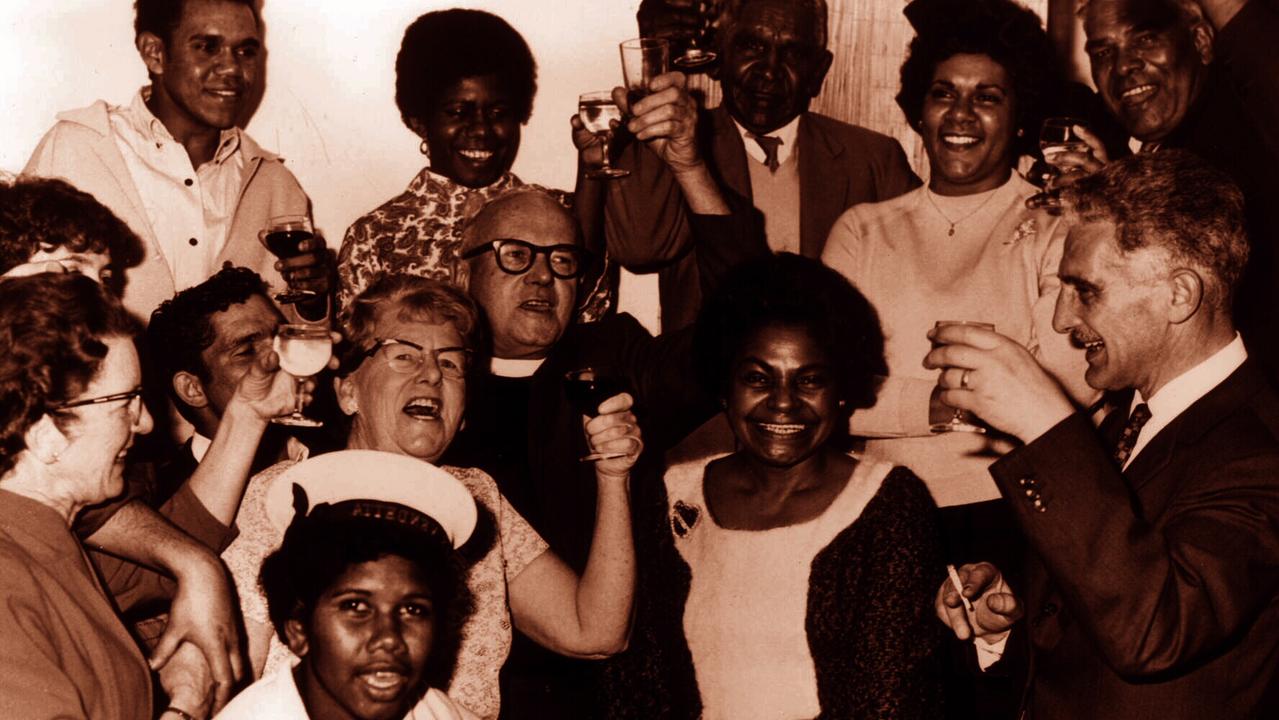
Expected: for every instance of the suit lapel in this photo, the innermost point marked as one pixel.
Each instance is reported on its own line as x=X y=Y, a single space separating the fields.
x=730 y=153
x=1201 y=416
x=822 y=190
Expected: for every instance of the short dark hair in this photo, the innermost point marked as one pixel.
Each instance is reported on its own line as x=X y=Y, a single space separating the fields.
x=47 y=213
x=413 y=298
x=181 y=329
x=319 y=547
x=791 y=290
x=1174 y=200
x=445 y=47
x=162 y=17
x=52 y=330
x=817 y=8
x=1002 y=30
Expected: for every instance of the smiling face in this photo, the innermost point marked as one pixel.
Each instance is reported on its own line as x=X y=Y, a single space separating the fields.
x=240 y=334
x=782 y=401
x=205 y=73
x=1110 y=303
x=968 y=124
x=528 y=312
x=1148 y=63
x=365 y=646
x=772 y=64
x=99 y=436
x=415 y=413
x=473 y=132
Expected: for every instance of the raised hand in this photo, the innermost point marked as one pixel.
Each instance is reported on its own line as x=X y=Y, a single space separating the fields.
x=665 y=119
x=995 y=608
x=615 y=434
x=997 y=379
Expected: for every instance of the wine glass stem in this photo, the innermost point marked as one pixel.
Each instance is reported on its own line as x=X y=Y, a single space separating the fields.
x=297 y=396
x=604 y=150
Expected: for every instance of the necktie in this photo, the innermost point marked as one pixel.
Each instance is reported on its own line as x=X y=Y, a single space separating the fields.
x=769 y=145
x=1128 y=439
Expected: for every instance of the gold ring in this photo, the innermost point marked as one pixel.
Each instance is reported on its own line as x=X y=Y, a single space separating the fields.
x=963 y=380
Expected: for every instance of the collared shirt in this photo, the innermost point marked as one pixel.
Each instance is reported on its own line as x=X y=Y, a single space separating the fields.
x=1184 y=390
x=294 y=448
x=786 y=133
x=190 y=210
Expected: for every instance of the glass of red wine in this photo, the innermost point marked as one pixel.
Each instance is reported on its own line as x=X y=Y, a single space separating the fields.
x=283 y=236
x=587 y=388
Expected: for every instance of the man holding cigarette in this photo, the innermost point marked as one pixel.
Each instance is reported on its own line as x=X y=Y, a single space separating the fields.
x=1153 y=587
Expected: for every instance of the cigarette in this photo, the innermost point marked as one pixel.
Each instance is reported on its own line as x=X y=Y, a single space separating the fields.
x=959 y=586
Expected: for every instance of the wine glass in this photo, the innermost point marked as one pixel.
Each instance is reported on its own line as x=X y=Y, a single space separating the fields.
x=587 y=388
x=304 y=350
x=283 y=236
x=642 y=60
x=694 y=55
x=597 y=112
x=943 y=418
x=1058 y=136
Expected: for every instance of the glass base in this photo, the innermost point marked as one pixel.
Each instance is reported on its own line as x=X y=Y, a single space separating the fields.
x=608 y=172
x=956 y=426
x=694 y=58
x=297 y=421
x=289 y=297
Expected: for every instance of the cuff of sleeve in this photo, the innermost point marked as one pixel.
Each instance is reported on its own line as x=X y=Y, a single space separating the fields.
x=186 y=511
x=989 y=653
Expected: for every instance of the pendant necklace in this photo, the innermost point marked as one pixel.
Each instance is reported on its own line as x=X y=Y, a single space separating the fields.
x=951 y=233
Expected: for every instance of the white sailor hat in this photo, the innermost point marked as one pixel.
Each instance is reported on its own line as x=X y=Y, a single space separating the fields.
x=376 y=477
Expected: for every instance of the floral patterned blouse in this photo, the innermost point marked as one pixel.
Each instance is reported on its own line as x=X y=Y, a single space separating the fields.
x=419 y=232
x=486 y=636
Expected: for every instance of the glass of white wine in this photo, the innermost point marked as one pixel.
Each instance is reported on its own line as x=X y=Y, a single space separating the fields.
x=597 y=112
x=304 y=350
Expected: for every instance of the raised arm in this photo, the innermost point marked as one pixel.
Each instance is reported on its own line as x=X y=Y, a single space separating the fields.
x=589 y=616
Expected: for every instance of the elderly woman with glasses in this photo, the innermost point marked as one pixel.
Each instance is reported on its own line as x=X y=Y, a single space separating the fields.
x=70 y=407
x=403 y=384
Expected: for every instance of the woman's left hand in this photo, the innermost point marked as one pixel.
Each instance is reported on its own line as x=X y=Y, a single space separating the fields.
x=615 y=432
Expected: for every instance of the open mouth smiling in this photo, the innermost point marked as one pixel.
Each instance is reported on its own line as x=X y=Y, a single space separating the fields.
x=423 y=408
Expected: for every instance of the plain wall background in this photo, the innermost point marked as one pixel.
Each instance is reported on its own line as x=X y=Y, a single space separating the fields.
x=329 y=105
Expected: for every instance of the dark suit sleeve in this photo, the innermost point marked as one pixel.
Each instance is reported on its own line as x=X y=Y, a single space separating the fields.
x=1159 y=597
x=646 y=222
x=725 y=241
x=1245 y=47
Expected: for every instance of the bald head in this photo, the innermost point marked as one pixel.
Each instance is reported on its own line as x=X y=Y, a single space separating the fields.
x=527 y=310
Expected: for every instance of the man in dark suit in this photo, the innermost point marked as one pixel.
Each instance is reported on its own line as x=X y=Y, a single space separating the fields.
x=1154 y=589
x=801 y=169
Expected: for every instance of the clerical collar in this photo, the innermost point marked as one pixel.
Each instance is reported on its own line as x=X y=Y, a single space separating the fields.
x=505 y=367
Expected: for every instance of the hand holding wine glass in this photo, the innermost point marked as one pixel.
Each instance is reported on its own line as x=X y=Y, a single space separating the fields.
x=1071 y=151
x=613 y=437
x=643 y=59
x=666 y=120
x=598 y=113
x=590 y=390
x=304 y=350
x=303 y=262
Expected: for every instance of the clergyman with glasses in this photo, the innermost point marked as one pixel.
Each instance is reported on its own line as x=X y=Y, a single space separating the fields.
x=522 y=263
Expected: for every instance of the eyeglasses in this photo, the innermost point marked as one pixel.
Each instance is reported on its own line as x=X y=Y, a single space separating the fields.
x=404 y=356
x=129 y=395
x=516 y=257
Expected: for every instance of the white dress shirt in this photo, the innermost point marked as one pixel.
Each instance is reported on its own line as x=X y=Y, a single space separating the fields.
x=1182 y=391
x=190 y=209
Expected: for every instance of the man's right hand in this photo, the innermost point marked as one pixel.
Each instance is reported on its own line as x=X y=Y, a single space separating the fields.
x=666 y=120
x=995 y=608
x=265 y=392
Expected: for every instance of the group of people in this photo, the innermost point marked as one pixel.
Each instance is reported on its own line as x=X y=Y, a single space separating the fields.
x=524 y=504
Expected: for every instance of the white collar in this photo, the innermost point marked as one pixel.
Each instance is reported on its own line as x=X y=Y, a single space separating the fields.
x=1181 y=392
x=507 y=367
x=786 y=133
